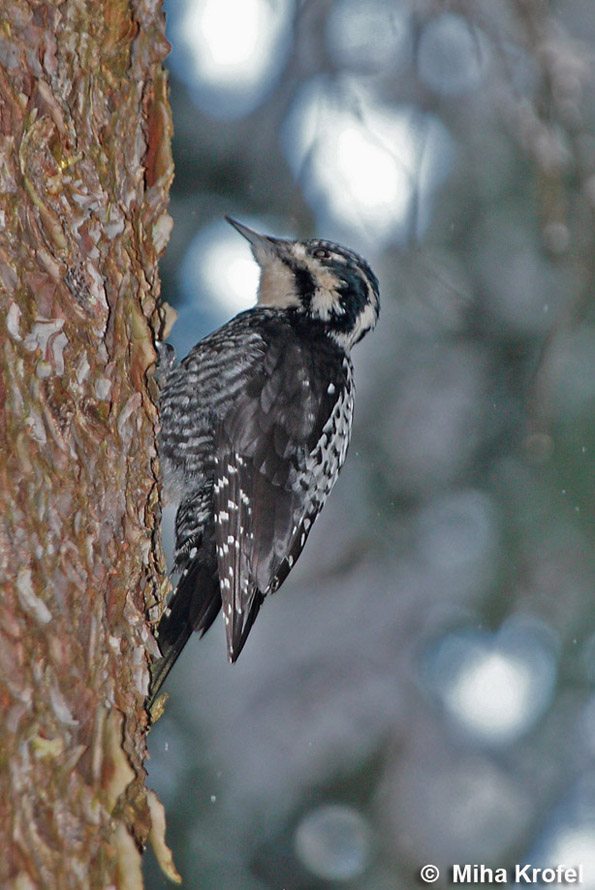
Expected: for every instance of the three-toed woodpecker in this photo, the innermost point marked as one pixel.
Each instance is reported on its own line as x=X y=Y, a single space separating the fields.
x=255 y=424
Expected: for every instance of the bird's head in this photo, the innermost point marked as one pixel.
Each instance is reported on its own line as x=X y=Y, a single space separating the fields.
x=320 y=279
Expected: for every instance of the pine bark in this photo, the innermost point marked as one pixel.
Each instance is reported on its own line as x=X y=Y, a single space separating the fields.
x=85 y=169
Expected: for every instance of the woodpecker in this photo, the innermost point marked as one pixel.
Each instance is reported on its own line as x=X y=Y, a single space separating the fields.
x=255 y=425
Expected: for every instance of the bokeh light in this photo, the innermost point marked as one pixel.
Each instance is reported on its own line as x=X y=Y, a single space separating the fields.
x=229 y=52
x=352 y=27
x=333 y=842
x=368 y=169
x=216 y=279
x=576 y=846
x=496 y=687
x=568 y=836
x=219 y=267
x=456 y=532
x=453 y=58
x=453 y=805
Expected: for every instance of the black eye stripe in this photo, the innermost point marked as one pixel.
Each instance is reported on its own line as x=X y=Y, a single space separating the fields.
x=304 y=280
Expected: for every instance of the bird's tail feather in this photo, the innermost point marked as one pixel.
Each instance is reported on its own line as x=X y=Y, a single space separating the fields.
x=194 y=606
x=162 y=666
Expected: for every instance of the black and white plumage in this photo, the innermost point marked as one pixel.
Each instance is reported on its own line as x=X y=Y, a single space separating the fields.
x=255 y=424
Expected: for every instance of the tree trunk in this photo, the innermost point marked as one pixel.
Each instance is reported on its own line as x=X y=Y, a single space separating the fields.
x=85 y=168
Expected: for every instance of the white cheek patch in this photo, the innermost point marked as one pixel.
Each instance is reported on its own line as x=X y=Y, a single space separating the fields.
x=277 y=284
x=326 y=301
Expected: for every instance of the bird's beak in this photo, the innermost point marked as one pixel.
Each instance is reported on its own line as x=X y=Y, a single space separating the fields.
x=259 y=242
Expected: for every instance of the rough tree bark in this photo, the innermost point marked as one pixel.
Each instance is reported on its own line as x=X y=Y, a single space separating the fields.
x=85 y=168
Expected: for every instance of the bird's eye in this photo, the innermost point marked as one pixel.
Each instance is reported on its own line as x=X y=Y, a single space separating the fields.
x=321 y=253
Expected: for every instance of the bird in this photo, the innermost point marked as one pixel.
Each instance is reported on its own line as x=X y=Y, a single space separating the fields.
x=255 y=426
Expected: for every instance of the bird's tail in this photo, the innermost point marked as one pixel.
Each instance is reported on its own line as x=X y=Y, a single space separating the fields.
x=193 y=607
x=162 y=666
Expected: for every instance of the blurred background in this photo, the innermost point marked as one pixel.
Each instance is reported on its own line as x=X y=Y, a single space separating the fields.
x=422 y=689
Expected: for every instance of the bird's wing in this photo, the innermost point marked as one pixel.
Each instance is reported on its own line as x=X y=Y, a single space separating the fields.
x=279 y=447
